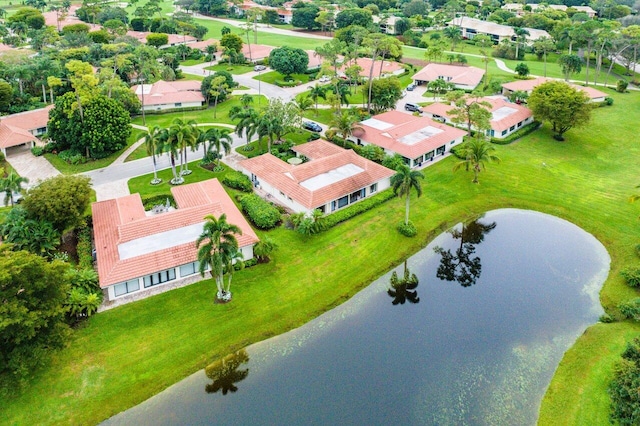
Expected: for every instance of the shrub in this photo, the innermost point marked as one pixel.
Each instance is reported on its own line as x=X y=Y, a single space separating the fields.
x=631 y=309
x=632 y=276
x=239 y=181
x=358 y=208
x=37 y=151
x=293 y=83
x=84 y=247
x=262 y=214
x=50 y=147
x=408 y=230
x=531 y=127
x=623 y=389
x=621 y=86
x=606 y=318
x=250 y=262
x=608 y=101
x=72 y=157
x=156 y=200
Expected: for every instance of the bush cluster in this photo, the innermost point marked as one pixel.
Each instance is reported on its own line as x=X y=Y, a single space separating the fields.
x=294 y=83
x=72 y=157
x=631 y=276
x=84 y=247
x=37 y=151
x=239 y=181
x=623 y=389
x=631 y=309
x=262 y=214
x=358 y=208
x=408 y=229
x=529 y=128
x=156 y=200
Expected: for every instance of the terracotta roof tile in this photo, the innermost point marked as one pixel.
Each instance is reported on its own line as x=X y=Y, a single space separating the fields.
x=317 y=149
x=388 y=67
x=456 y=74
x=288 y=178
x=529 y=85
x=169 y=92
x=400 y=125
x=13 y=136
x=123 y=219
x=29 y=120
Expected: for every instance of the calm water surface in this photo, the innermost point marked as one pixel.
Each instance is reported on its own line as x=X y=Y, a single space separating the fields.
x=498 y=302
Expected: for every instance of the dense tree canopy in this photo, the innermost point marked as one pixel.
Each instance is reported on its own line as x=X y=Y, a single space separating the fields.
x=32 y=312
x=305 y=17
x=385 y=93
x=231 y=42
x=157 y=39
x=288 y=60
x=348 y=17
x=560 y=104
x=61 y=200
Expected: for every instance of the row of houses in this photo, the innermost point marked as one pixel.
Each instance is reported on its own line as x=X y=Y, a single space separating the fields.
x=519 y=8
x=471 y=27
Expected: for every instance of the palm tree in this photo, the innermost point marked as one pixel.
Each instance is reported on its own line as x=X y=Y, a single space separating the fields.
x=454 y=34
x=343 y=91
x=263 y=249
x=402 y=182
x=185 y=136
x=10 y=185
x=219 y=140
x=246 y=100
x=172 y=146
x=267 y=126
x=154 y=141
x=521 y=35
x=477 y=152
x=247 y=121
x=316 y=92
x=215 y=245
x=303 y=103
x=344 y=123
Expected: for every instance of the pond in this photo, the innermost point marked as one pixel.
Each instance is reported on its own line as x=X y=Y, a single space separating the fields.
x=472 y=339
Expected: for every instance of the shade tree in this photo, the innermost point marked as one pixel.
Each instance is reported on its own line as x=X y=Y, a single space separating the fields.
x=288 y=60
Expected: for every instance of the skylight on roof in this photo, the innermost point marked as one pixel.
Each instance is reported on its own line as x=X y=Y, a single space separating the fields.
x=160 y=241
x=377 y=124
x=502 y=112
x=420 y=135
x=331 y=177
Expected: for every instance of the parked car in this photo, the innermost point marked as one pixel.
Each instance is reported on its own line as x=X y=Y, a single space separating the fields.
x=324 y=79
x=411 y=87
x=310 y=125
x=412 y=107
x=259 y=68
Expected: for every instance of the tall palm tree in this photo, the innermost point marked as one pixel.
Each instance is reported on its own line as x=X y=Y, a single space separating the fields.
x=303 y=103
x=172 y=145
x=154 y=141
x=247 y=122
x=477 y=152
x=10 y=185
x=246 y=100
x=402 y=182
x=345 y=123
x=219 y=140
x=215 y=245
x=186 y=136
x=268 y=126
x=316 y=92
x=521 y=35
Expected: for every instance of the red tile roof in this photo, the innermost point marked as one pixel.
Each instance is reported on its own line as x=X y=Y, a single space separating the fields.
x=288 y=178
x=529 y=85
x=388 y=67
x=172 y=38
x=123 y=220
x=202 y=45
x=258 y=51
x=519 y=114
x=399 y=125
x=169 y=92
x=29 y=120
x=456 y=74
x=13 y=136
x=318 y=149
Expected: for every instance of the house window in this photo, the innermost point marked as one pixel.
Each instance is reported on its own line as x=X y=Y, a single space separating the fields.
x=373 y=188
x=126 y=287
x=159 y=277
x=356 y=196
x=178 y=104
x=520 y=124
x=441 y=150
x=334 y=206
x=504 y=132
x=428 y=155
x=189 y=269
x=512 y=128
x=343 y=201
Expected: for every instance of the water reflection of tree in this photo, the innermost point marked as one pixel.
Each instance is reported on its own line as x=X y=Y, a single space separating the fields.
x=225 y=373
x=461 y=266
x=404 y=289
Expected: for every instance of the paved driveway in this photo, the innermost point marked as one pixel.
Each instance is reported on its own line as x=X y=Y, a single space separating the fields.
x=30 y=166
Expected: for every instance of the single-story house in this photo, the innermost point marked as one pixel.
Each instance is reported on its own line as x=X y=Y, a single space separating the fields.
x=506 y=117
x=471 y=27
x=164 y=95
x=332 y=179
x=380 y=68
x=202 y=45
x=140 y=253
x=315 y=60
x=418 y=139
x=528 y=85
x=256 y=52
x=461 y=76
x=285 y=14
x=23 y=128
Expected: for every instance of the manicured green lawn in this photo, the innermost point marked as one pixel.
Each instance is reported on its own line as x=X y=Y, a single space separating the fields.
x=121 y=357
x=191 y=62
x=232 y=69
x=324 y=115
x=259 y=147
x=141 y=184
x=273 y=76
x=69 y=169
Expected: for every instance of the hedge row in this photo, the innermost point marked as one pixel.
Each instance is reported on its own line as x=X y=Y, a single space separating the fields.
x=360 y=207
x=529 y=128
x=84 y=248
x=239 y=181
x=262 y=214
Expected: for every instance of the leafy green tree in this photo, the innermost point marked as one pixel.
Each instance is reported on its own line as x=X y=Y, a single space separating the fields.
x=522 y=69
x=541 y=47
x=562 y=105
x=6 y=95
x=215 y=245
x=218 y=88
x=570 y=64
x=305 y=17
x=623 y=389
x=10 y=185
x=33 y=292
x=288 y=60
x=415 y=8
x=454 y=34
x=316 y=92
x=157 y=39
x=61 y=200
x=106 y=127
x=476 y=152
x=29 y=16
x=403 y=182
x=470 y=110
x=347 y=17
x=344 y=123
x=521 y=36
x=232 y=42
x=385 y=93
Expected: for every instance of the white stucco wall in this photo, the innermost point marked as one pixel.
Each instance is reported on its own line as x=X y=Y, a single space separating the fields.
x=163 y=107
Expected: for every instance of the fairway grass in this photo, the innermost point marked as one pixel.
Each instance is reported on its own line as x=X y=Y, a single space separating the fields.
x=121 y=357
